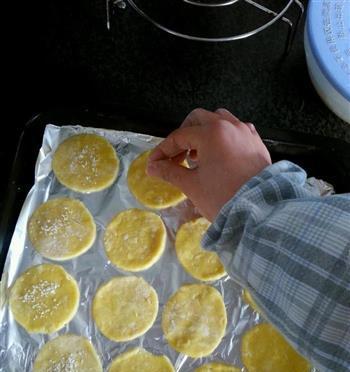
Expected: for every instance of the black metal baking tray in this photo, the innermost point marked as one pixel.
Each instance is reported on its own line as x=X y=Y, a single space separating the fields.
x=321 y=157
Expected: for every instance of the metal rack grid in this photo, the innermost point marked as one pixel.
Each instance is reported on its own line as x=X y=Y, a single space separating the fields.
x=274 y=16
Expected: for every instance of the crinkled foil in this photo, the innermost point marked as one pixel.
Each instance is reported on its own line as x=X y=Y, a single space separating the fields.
x=18 y=348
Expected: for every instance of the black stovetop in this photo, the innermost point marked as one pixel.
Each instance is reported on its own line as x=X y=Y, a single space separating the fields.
x=64 y=56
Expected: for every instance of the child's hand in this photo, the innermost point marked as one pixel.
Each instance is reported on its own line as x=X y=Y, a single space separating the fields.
x=226 y=152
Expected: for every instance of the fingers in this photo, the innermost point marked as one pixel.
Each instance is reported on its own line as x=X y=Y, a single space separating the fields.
x=228 y=116
x=193 y=155
x=187 y=137
x=225 y=114
x=251 y=126
x=177 y=142
x=173 y=173
x=199 y=117
x=179 y=158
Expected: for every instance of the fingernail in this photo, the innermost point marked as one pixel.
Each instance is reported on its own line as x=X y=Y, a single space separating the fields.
x=251 y=127
x=193 y=155
x=221 y=109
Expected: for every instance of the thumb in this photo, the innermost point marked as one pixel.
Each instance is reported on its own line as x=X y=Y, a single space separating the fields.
x=172 y=172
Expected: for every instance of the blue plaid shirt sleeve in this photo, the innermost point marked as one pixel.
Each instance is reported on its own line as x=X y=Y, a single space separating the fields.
x=290 y=248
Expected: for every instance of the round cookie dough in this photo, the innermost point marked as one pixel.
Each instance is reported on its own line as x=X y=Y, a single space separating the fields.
x=44 y=298
x=264 y=349
x=61 y=229
x=125 y=308
x=138 y=359
x=85 y=163
x=194 y=320
x=151 y=191
x=199 y=263
x=217 y=367
x=135 y=239
x=70 y=353
x=248 y=299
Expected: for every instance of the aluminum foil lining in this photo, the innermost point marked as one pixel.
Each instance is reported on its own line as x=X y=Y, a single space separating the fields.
x=18 y=348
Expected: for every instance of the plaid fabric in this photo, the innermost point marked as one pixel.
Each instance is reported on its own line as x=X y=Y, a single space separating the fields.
x=291 y=250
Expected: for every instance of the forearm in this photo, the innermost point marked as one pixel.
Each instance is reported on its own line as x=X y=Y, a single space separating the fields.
x=291 y=250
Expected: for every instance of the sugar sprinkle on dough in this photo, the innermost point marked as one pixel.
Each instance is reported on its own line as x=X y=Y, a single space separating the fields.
x=61 y=229
x=138 y=359
x=44 y=298
x=124 y=308
x=264 y=349
x=135 y=239
x=85 y=163
x=217 y=367
x=67 y=353
x=199 y=263
x=151 y=191
x=194 y=320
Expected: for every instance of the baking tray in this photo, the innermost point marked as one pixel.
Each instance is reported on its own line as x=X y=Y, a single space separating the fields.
x=321 y=157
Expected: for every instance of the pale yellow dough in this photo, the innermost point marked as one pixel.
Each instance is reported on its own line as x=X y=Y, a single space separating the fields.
x=44 y=298
x=85 y=163
x=201 y=264
x=264 y=349
x=248 y=299
x=194 y=320
x=67 y=353
x=151 y=191
x=61 y=229
x=217 y=367
x=140 y=360
x=135 y=239
x=125 y=308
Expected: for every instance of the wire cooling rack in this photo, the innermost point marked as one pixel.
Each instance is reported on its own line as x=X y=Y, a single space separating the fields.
x=193 y=19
